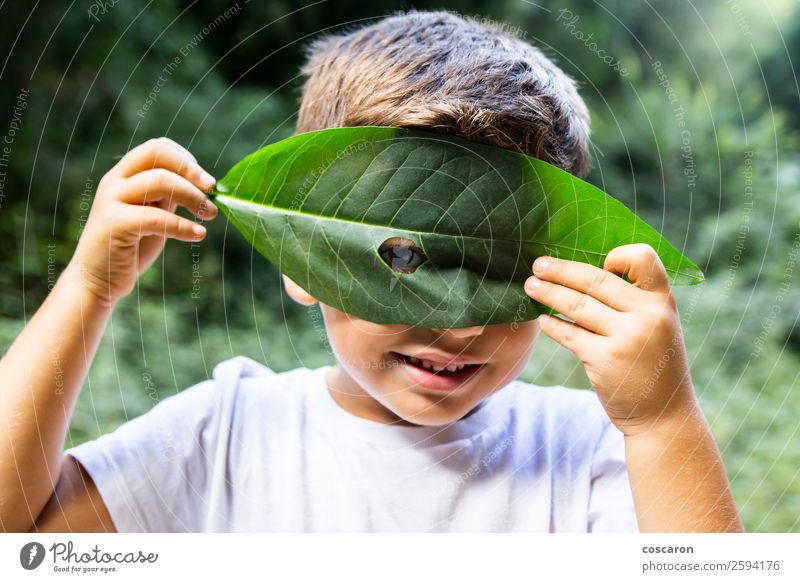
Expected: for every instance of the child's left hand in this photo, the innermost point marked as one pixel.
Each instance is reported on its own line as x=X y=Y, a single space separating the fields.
x=628 y=335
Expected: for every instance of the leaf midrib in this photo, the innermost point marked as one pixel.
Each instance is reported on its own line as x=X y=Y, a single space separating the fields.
x=279 y=210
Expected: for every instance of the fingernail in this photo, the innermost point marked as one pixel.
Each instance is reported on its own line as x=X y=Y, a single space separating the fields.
x=540 y=264
x=543 y=318
x=198 y=230
x=207 y=210
x=207 y=180
x=532 y=283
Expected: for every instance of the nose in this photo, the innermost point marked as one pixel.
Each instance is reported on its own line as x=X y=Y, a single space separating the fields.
x=462 y=332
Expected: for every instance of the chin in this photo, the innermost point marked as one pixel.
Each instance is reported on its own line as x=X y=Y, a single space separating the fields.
x=433 y=413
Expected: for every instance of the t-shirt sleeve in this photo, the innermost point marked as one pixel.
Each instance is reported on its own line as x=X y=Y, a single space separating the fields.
x=611 y=506
x=154 y=471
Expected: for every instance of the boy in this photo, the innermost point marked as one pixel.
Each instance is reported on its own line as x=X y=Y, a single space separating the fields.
x=413 y=429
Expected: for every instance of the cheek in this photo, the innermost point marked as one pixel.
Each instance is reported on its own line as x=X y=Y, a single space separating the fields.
x=355 y=340
x=516 y=347
x=517 y=338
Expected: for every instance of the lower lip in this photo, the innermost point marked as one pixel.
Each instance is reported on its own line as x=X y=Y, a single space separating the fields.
x=440 y=382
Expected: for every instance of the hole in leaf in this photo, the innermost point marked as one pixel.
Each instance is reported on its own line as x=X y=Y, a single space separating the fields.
x=401 y=254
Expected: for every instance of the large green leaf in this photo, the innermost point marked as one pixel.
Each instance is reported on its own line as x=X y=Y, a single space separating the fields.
x=319 y=205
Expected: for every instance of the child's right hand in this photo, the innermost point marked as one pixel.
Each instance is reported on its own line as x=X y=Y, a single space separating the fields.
x=134 y=213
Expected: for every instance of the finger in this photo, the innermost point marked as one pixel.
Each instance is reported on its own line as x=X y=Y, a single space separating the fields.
x=148 y=220
x=165 y=153
x=173 y=143
x=160 y=185
x=602 y=285
x=570 y=335
x=641 y=264
x=585 y=310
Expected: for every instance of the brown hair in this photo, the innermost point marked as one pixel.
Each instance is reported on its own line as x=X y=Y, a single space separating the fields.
x=442 y=72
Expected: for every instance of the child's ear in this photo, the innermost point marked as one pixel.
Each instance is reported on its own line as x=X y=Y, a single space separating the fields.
x=297 y=293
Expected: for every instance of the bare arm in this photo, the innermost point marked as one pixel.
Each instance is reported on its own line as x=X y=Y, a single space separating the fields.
x=42 y=372
x=678 y=479
x=75 y=505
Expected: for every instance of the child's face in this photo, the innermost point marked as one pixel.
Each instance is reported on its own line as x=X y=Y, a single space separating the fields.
x=375 y=379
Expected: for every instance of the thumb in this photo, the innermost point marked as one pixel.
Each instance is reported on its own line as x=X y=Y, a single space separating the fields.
x=641 y=264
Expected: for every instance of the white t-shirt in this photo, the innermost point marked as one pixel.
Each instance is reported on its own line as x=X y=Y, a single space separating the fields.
x=254 y=450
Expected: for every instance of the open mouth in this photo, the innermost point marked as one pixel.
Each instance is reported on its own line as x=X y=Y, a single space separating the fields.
x=435 y=367
x=436 y=375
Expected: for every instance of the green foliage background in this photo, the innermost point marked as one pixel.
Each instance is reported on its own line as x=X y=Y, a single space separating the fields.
x=716 y=170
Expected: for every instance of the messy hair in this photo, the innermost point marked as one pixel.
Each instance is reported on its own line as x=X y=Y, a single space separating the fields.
x=446 y=73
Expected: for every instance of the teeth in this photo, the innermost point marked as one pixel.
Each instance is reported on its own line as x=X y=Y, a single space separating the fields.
x=435 y=366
